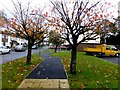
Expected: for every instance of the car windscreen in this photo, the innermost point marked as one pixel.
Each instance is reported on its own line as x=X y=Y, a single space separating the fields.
x=114 y=48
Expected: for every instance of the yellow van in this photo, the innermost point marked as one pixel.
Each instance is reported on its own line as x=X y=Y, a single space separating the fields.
x=103 y=50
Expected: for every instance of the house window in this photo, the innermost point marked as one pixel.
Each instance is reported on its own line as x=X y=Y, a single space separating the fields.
x=3 y=36
x=6 y=36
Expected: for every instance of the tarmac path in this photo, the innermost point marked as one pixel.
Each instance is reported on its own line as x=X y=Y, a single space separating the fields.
x=50 y=68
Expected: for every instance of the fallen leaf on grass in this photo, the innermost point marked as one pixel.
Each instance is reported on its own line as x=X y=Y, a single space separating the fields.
x=107 y=81
x=9 y=81
x=68 y=65
x=25 y=70
x=19 y=69
x=17 y=81
x=97 y=81
x=95 y=66
x=98 y=71
x=106 y=76
x=82 y=85
x=89 y=66
x=21 y=74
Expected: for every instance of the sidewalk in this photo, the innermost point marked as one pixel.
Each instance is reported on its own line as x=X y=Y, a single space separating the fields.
x=49 y=74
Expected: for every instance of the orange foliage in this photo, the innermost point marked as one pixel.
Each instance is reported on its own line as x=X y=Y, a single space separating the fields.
x=1 y=22
x=91 y=11
x=101 y=15
x=95 y=18
x=88 y=14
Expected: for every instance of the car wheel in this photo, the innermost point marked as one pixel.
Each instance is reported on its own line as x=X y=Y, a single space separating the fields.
x=94 y=54
x=15 y=50
x=117 y=55
x=9 y=52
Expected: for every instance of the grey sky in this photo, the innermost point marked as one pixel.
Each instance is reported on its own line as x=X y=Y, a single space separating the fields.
x=8 y=4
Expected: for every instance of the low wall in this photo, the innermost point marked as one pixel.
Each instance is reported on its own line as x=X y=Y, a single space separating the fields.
x=84 y=45
x=91 y=45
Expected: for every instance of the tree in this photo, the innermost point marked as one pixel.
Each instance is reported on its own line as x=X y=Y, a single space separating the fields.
x=28 y=24
x=54 y=38
x=103 y=23
x=77 y=20
x=2 y=18
x=114 y=38
x=2 y=14
x=103 y=28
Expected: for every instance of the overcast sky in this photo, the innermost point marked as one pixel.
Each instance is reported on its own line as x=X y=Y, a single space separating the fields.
x=8 y=4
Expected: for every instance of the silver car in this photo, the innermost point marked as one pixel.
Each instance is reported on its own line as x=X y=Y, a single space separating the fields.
x=20 y=48
x=4 y=49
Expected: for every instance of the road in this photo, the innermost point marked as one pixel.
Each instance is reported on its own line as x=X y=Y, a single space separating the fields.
x=114 y=60
x=15 y=55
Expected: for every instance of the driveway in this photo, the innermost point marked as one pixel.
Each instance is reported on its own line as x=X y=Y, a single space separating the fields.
x=115 y=60
x=15 y=55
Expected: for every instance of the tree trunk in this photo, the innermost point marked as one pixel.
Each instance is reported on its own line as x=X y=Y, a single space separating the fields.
x=73 y=60
x=56 y=48
x=102 y=41
x=28 y=61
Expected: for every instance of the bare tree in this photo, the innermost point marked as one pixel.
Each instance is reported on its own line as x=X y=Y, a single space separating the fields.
x=28 y=24
x=77 y=20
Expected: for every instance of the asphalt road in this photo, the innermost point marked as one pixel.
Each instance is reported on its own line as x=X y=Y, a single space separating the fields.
x=114 y=60
x=15 y=55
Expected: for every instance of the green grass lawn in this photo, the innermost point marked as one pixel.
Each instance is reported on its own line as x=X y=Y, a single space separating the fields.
x=14 y=72
x=92 y=72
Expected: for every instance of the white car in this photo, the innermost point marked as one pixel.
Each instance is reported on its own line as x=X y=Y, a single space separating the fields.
x=4 y=49
x=20 y=48
x=34 y=47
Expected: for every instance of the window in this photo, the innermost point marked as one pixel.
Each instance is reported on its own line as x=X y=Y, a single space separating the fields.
x=107 y=47
x=6 y=36
x=114 y=48
x=2 y=36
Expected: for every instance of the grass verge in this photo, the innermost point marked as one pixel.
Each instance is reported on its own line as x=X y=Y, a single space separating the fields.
x=14 y=72
x=92 y=72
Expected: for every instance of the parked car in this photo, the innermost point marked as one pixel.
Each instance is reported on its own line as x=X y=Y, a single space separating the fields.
x=34 y=47
x=4 y=49
x=51 y=47
x=62 y=47
x=20 y=48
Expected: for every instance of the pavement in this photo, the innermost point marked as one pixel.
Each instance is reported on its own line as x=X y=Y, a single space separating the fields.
x=44 y=84
x=49 y=74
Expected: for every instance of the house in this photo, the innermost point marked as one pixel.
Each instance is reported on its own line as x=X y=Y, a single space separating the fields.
x=4 y=40
x=0 y=39
x=10 y=41
x=16 y=40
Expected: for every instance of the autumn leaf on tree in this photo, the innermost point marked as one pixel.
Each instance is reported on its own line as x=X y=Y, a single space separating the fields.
x=28 y=24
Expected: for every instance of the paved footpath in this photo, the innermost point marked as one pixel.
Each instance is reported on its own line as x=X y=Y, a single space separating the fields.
x=49 y=74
